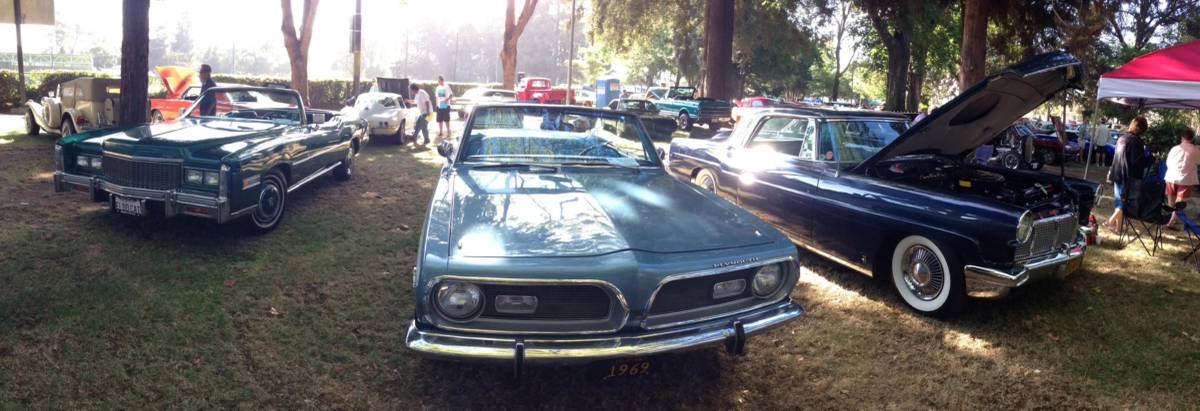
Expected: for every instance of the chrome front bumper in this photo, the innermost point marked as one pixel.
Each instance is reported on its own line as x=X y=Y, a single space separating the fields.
x=983 y=279
x=174 y=202
x=566 y=350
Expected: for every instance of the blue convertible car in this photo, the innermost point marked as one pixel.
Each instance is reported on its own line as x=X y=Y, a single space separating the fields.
x=893 y=200
x=555 y=235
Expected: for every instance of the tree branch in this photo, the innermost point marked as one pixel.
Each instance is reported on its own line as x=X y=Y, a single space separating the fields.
x=526 y=14
x=310 y=15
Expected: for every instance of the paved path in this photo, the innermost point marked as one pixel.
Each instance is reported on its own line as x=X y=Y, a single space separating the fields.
x=11 y=123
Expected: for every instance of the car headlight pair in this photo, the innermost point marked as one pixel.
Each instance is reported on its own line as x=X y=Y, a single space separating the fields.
x=86 y=161
x=201 y=177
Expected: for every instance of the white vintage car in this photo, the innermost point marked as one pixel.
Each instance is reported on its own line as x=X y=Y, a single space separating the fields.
x=465 y=103
x=79 y=105
x=386 y=114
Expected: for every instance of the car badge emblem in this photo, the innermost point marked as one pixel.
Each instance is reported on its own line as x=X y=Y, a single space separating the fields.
x=735 y=262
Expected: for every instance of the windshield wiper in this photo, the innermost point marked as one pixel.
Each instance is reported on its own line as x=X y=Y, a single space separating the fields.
x=514 y=166
x=604 y=163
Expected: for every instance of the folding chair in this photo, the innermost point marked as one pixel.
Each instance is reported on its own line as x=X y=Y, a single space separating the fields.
x=1190 y=228
x=1146 y=213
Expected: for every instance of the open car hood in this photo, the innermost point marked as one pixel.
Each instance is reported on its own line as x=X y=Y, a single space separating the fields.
x=177 y=79
x=981 y=112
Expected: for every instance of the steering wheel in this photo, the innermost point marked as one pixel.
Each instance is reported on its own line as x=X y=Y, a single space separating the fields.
x=607 y=145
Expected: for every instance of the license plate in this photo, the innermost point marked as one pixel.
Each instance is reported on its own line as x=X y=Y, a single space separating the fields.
x=1073 y=265
x=129 y=206
x=622 y=369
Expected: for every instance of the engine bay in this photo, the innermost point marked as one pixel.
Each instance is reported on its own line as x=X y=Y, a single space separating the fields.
x=1017 y=188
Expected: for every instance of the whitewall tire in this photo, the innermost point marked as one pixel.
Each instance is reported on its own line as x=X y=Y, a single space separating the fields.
x=928 y=280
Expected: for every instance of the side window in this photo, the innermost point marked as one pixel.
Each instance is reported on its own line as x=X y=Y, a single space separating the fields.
x=784 y=135
x=756 y=103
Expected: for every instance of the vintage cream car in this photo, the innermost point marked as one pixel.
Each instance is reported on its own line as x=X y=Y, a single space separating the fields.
x=79 y=105
x=386 y=114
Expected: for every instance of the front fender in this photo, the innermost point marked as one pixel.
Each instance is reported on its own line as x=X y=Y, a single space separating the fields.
x=38 y=111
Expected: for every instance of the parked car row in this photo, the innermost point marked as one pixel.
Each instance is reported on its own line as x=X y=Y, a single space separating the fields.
x=562 y=234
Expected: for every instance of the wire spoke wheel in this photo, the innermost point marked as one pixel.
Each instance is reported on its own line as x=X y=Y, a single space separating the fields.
x=923 y=272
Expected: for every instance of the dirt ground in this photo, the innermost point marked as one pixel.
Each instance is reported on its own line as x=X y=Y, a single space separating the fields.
x=99 y=310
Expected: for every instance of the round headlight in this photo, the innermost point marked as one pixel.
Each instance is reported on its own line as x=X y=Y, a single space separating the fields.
x=458 y=300
x=767 y=280
x=1024 y=227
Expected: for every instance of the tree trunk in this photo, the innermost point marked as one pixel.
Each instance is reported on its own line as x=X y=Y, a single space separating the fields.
x=513 y=27
x=899 y=55
x=135 y=56
x=974 y=43
x=916 y=79
x=297 y=44
x=718 y=49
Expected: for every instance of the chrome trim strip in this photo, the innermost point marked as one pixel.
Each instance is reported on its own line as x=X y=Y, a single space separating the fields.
x=312 y=177
x=242 y=212
x=836 y=259
x=579 y=350
x=158 y=160
x=613 y=290
x=707 y=272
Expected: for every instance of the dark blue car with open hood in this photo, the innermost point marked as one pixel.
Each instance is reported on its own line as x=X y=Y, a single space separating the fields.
x=893 y=200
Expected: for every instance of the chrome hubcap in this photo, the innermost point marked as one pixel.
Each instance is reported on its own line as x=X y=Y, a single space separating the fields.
x=269 y=204
x=707 y=183
x=923 y=272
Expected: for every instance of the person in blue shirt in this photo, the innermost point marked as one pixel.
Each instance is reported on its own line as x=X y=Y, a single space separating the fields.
x=444 y=96
x=208 y=105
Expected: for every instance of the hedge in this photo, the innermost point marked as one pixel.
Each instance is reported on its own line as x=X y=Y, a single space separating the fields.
x=327 y=94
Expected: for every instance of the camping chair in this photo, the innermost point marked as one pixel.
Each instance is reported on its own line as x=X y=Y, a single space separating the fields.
x=1146 y=213
x=1190 y=228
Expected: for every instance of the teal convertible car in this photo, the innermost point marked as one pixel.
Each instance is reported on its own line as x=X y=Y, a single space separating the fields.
x=555 y=235
x=225 y=164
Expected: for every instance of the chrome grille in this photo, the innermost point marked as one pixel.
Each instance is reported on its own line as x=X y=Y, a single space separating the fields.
x=554 y=302
x=1048 y=235
x=692 y=293
x=141 y=174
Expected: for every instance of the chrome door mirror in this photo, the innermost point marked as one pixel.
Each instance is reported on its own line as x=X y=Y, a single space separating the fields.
x=52 y=94
x=662 y=154
x=445 y=149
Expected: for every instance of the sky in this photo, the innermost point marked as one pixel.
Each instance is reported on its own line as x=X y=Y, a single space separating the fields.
x=222 y=23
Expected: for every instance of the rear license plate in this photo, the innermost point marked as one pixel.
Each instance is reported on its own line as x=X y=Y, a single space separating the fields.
x=625 y=368
x=129 y=206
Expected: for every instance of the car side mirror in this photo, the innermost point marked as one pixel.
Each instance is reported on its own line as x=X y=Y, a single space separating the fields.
x=52 y=94
x=662 y=154
x=445 y=149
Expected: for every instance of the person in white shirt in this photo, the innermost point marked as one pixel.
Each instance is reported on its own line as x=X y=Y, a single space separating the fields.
x=1181 y=171
x=425 y=106
x=1100 y=139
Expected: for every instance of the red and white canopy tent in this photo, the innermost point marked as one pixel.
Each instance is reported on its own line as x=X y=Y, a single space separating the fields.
x=1167 y=78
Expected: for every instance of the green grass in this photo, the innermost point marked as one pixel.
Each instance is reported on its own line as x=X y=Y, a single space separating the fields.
x=104 y=311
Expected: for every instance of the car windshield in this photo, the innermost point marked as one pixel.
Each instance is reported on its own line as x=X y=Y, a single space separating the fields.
x=275 y=105
x=637 y=106
x=556 y=135
x=682 y=93
x=852 y=141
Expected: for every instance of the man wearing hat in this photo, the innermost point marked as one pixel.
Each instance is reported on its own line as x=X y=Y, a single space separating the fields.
x=208 y=105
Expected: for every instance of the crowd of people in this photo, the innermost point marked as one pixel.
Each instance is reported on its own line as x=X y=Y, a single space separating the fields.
x=1130 y=164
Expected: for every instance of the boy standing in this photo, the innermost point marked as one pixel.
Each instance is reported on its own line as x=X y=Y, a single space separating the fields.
x=444 y=96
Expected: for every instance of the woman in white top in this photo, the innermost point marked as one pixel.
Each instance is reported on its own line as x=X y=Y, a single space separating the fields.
x=1181 y=171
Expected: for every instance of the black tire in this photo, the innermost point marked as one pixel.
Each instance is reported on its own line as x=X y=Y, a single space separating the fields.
x=929 y=280
x=400 y=132
x=1010 y=161
x=156 y=117
x=345 y=170
x=272 y=201
x=706 y=180
x=1046 y=156
x=68 y=127
x=684 y=122
x=31 y=126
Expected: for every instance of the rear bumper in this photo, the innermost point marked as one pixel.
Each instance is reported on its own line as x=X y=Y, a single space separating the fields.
x=567 y=350
x=174 y=202
x=981 y=279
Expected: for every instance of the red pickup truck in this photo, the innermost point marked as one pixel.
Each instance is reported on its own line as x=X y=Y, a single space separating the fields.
x=538 y=90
